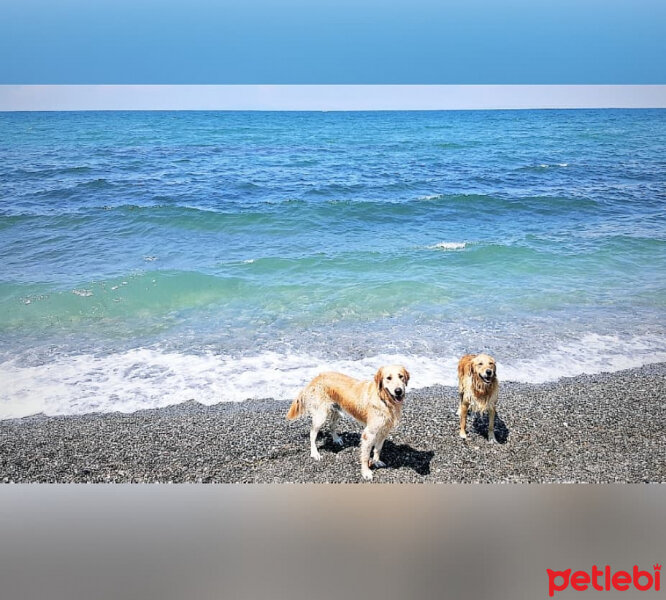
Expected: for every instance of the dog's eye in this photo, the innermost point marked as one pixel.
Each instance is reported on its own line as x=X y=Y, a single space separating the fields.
x=401 y=377
x=389 y=377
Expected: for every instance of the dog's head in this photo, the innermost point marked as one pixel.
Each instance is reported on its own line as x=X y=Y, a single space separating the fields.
x=483 y=367
x=393 y=380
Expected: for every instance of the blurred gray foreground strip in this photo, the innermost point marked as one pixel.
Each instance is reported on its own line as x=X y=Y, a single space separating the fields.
x=297 y=542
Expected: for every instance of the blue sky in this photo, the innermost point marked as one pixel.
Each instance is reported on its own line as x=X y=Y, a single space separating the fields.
x=333 y=42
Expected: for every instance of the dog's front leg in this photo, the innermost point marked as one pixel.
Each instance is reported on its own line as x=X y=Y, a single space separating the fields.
x=379 y=442
x=491 y=424
x=462 y=411
x=367 y=441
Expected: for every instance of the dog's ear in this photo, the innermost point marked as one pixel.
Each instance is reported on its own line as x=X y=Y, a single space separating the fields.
x=469 y=368
x=379 y=378
x=405 y=374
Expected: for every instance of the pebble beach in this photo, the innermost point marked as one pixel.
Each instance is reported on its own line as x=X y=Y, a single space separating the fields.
x=605 y=428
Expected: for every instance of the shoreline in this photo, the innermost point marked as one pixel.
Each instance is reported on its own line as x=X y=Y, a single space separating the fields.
x=602 y=428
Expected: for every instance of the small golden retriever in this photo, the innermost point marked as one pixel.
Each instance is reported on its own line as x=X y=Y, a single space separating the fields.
x=478 y=388
x=377 y=404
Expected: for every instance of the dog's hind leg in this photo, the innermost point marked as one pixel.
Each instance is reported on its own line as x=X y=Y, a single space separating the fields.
x=318 y=419
x=335 y=415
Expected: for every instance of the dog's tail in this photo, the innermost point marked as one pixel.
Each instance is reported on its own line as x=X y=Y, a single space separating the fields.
x=297 y=408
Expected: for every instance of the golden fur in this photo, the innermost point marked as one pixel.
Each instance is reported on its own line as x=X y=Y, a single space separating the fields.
x=478 y=389
x=377 y=404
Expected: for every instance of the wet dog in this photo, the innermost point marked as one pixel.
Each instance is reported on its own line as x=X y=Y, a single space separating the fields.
x=377 y=404
x=478 y=389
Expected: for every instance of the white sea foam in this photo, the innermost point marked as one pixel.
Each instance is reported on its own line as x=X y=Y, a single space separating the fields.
x=151 y=378
x=83 y=293
x=593 y=353
x=448 y=246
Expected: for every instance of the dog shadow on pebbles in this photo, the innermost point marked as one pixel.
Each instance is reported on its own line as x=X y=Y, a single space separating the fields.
x=480 y=426
x=394 y=456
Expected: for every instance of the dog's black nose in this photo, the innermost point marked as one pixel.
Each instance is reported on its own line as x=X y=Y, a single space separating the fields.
x=398 y=391
x=489 y=372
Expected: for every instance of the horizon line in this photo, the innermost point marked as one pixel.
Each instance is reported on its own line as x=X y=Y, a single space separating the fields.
x=333 y=110
x=327 y=98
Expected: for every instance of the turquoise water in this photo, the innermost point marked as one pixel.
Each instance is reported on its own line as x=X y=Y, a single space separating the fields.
x=152 y=257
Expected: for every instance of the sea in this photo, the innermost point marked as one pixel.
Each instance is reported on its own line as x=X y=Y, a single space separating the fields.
x=151 y=258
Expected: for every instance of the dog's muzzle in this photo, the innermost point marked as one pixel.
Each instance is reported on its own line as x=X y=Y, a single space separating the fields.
x=398 y=394
x=488 y=378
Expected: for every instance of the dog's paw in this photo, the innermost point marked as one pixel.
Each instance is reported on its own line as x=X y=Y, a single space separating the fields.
x=367 y=474
x=492 y=439
x=463 y=435
x=378 y=464
x=314 y=454
x=338 y=440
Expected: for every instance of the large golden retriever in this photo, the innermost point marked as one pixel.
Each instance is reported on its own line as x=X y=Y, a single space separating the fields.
x=377 y=404
x=478 y=388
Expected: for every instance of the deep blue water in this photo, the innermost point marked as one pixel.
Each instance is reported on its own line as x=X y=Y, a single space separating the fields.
x=151 y=257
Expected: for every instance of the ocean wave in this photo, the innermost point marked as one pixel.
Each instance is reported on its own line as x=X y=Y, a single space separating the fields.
x=448 y=246
x=68 y=189
x=234 y=212
x=49 y=171
x=150 y=378
x=451 y=145
x=543 y=167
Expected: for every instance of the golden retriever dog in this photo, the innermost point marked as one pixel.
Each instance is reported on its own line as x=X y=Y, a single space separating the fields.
x=377 y=404
x=478 y=388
